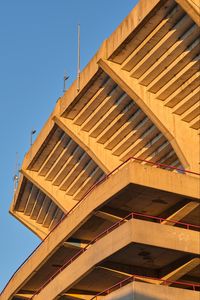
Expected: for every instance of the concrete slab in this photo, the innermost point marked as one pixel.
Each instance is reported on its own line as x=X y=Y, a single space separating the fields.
x=131 y=172
x=144 y=291
x=136 y=231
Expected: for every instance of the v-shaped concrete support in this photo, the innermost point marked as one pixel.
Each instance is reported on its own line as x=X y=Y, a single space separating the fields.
x=183 y=141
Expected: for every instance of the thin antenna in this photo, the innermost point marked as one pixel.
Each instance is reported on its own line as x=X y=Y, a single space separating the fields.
x=16 y=173
x=33 y=131
x=65 y=79
x=78 y=63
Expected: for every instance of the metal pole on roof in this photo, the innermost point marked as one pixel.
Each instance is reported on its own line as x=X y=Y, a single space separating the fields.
x=65 y=79
x=33 y=131
x=78 y=62
x=16 y=173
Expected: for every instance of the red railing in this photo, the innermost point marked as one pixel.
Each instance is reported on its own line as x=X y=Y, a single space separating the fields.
x=104 y=233
x=90 y=190
x=138 y=277
x=106 y=177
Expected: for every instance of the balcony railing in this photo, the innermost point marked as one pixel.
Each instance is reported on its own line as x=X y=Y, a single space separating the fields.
x=133 y=278
x=130 y=216
x=158 y=165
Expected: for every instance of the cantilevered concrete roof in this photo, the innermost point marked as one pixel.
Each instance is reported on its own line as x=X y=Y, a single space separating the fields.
x=138 y=96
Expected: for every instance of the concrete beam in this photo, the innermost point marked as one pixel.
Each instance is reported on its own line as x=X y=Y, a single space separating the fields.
x=186 y=186
x=74 y=245
x=192 y=8
x=106 y=216
x=187 y=102
x=96 y=151
x=109 y=47
x=181 y=271
x=24 y=296
x=129 y=275
x=129 y=269
x=130 y=24
x=159 y=114
x=133 y=231
x=175 y=274
x=59 y=197
x=39 y=230
x=181 y=213
x=144 y=291
x=115 y=271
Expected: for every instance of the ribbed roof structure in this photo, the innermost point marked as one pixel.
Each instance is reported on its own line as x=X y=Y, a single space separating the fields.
x=111 y=184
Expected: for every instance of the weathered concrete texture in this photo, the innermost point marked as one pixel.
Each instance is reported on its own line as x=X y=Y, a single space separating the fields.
x=138 y=98
x=159 y=114
x=135 y=231
x=132 y=172
x=144 y=291
x=193 y=9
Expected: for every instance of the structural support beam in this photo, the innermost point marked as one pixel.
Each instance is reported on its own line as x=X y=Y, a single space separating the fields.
x=192 y=7
x=115 y=271
x=157 y=111
x=181 y=271
x=24 y=296
x=40 y=231
x=185 y=186
x=181 y=213
x=167 y=279
x=74 y=245
x=133 y=231
x=106 y=216
x=59 y=197
x=96 y=151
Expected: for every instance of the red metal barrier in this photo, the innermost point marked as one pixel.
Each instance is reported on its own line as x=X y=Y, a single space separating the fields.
x=104 y=233
x=91 y=189
x=113 y=171
x=137 y=277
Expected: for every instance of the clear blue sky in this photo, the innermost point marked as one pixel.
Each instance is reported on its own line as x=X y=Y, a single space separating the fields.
x=38 y=41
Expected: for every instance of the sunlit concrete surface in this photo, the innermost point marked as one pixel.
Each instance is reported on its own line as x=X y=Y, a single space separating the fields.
x=111 y=184
x=142 y=291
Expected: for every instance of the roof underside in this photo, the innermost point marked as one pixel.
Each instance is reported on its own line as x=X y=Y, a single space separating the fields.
x=110 y=117
x=95 y=130
x=164 y=58
x=104 y=126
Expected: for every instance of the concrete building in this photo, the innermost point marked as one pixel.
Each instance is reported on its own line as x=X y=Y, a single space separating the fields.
x=111 y=184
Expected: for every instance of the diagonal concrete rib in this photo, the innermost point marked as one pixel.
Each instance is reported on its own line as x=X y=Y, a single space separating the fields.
x=158 y=113
x=63 y=201
x=181 y=213
x=38 y=229
x=24 y=296
x=170 y=277
x=95 y=150
x=192 y=7
x=181 y=271
x=107 y=216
